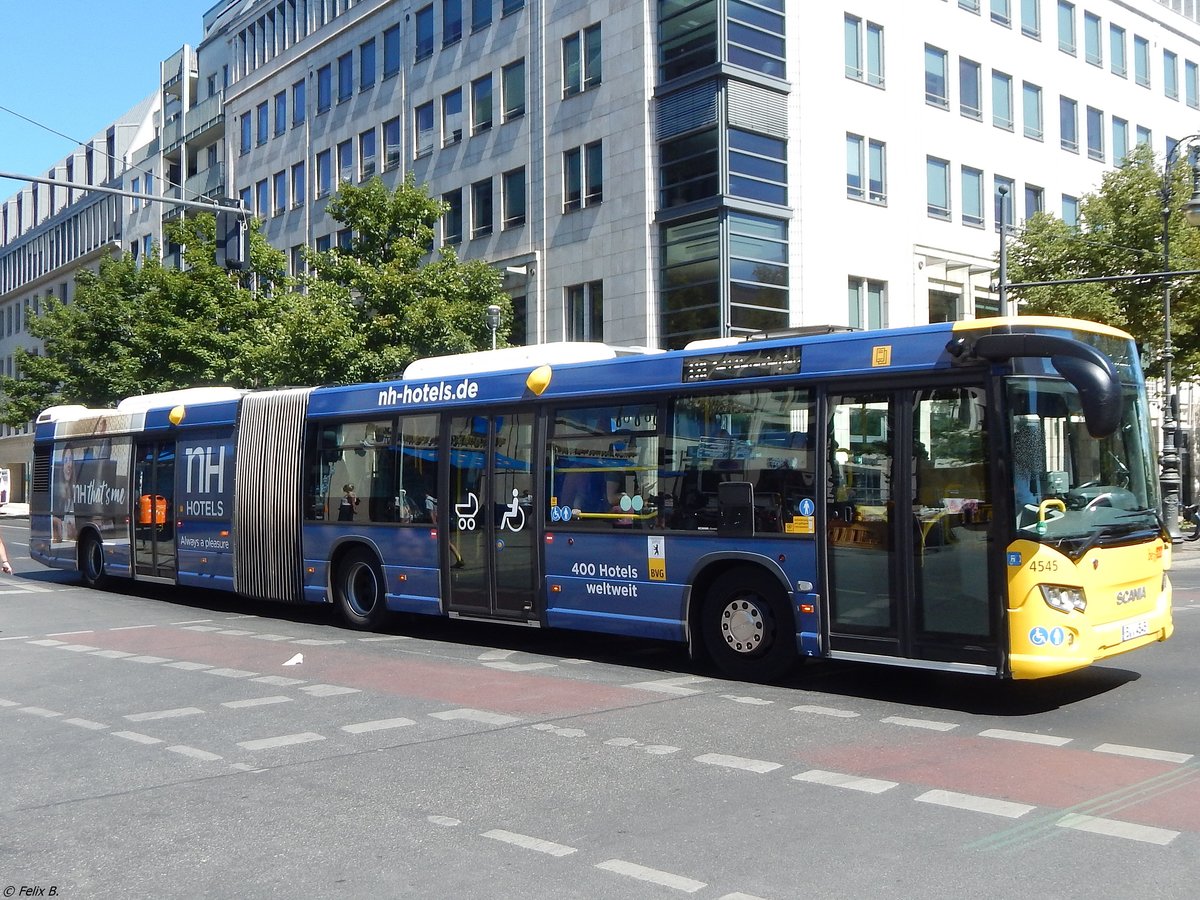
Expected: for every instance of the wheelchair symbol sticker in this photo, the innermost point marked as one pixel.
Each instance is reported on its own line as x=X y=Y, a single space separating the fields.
x=1041 y=636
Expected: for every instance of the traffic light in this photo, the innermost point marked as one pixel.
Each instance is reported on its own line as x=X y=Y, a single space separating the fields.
x=232 y=252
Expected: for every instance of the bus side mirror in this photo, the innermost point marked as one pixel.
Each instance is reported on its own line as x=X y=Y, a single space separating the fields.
x=1099 y=394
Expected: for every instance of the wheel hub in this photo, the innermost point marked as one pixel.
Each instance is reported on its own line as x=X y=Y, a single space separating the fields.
x=742 y=626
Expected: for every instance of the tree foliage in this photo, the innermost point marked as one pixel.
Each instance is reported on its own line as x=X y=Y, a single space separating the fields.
x=139 y=326
x=1121 y=233
x=373 y=307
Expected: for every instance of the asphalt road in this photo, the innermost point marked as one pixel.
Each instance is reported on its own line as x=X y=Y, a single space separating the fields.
x=166 y=743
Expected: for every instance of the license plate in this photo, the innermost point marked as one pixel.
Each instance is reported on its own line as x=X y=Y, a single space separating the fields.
x=1135 y=629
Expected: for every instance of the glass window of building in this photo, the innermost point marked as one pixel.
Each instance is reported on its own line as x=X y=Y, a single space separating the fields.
x=1170 y=75
x=572 y=179
x=452 y=219
x=1120 y=140
x=262 y=199
x=866 y=303
x=687 y=37
x=481 y=208
x=690 y=282
x=452 y=131
x=1068 y=124
x=583 y=311
x=689 y=168
x=1001 y=12
x=298 y=108
x=391 y=143
x=1191 y=84
x=513 y=199
x=345 y=66
x=1116 y=51
x=280 y=191
x=1145 y=137
x=424 y=33
x=246 y=132
x=757 y=167
x=755 y=35
x=1031 y=18
x=512 y=78
x=972 y=197
x=366 y=64
x=481 y=14
x=1095 y=134
x=324 y=172
x=298 y=184
x=935 y=77
x=593 y=168
x=366 y=154
x=423 y=128
x=481 y=104
x=1093 y=50
x=1066 y=27
x=572 y=65
x=758 y=273
x=345 y=161
x=391 y=51
x=1035 y=200
x=970 y=89
x=264 y=122
x=1002 y=100
x=937 y=188
x=1141 y=61
x=324 y=88
x=281 y=119
x=864 y=51
x=1070 y=210
x=1031 y=97
x=452 y=22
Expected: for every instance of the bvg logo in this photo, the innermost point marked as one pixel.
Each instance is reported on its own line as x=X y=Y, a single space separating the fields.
x=1131 y=595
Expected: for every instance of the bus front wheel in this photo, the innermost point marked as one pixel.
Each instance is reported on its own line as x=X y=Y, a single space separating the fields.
x=748 y=627
x=359 y=590
x=91 y=561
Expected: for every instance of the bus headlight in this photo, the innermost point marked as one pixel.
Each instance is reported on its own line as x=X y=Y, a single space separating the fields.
x=1064 y=599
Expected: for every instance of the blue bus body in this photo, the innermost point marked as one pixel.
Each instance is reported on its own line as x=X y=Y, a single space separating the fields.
x=333 y=495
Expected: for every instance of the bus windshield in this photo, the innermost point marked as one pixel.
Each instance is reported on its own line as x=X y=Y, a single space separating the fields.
x=1071 y=490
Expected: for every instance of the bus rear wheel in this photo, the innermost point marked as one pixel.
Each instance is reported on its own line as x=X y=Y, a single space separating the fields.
x=359 y=590
x=91 y=561
x=748 y=627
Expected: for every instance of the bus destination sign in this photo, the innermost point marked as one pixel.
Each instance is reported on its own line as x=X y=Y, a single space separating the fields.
x=733 y=364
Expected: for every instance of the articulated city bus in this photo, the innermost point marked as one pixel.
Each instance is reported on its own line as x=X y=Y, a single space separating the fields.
x=971 y=497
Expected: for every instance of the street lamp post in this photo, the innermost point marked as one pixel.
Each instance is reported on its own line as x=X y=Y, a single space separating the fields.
x=1169 y=472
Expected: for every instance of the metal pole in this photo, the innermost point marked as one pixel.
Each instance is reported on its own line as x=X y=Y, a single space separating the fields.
x=1003 y=289
x=1169 y=472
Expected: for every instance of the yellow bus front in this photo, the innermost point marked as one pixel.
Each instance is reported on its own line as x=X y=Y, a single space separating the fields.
x=1065 y=614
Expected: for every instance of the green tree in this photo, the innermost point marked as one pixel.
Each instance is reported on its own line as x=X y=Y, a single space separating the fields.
x=138 y=327
x=1120 y=234
x=373 y=308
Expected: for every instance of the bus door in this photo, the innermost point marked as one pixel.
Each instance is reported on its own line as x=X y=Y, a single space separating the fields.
x=908 y=514
x=153 y=499
x=490 y=550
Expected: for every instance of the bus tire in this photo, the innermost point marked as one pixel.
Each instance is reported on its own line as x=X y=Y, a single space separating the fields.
x=359 y=590
x=91 y=561
x=747 y=625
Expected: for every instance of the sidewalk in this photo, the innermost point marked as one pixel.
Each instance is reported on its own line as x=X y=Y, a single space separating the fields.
x=14 y=511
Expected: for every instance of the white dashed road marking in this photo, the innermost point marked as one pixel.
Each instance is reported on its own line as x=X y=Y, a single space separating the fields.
x=1113 y=828
x=112 y=654
x=230 y=673
x=826 y=711
x=475 y=715
x=1144 y=753
x=194 y=753
x=976 y=804
x=285 y=740
x=654 y=876
x=328 y=690
x=853 y=782
x=135 y=737
x=87 y=723
x=529 y=843
x=1025 y=737
x=738 y=762
x=928 y=724
x=671 y=685
x=256 y=701
x=39 y=711
x=377 y=725
x=165 y=714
